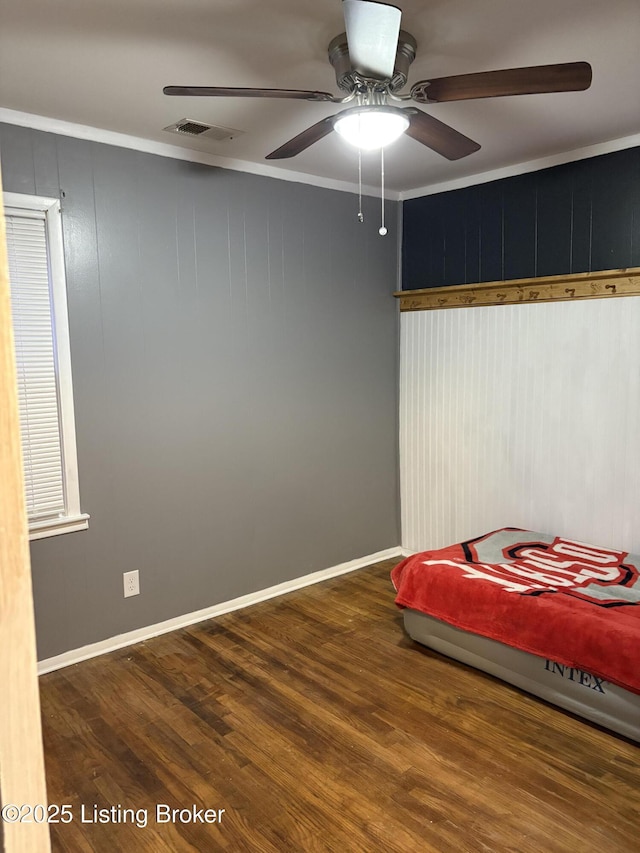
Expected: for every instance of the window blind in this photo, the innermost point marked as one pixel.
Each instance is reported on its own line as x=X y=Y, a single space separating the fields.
x=38 y=396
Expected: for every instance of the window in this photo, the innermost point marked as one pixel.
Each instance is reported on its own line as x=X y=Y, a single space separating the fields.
x=45 y=394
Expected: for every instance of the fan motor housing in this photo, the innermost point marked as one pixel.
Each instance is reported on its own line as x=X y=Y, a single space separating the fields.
x=347 y=77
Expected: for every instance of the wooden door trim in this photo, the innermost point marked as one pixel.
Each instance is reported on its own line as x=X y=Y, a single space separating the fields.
x=22 y=779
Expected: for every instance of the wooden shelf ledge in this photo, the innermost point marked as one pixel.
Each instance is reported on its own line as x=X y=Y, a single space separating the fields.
x=552 y=288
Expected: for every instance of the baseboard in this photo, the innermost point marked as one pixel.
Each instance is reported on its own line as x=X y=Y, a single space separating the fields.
x=121 y=640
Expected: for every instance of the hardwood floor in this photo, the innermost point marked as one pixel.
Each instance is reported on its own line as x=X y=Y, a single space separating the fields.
x=317 y=725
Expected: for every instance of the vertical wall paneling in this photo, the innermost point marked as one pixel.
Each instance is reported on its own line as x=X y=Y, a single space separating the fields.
x=524 y=415
x=491 y=232
x=581 y=216
x=520 y=229
x=234 y=345
x=576 y=217
x=470 y=203
x=613 y=194
x=553 y=222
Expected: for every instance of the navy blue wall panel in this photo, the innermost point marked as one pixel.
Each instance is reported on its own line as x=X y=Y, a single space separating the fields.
x=491 y=231
x=582 y=174
x=553 y=222
x=576 y=217
x=471 y=202
x=519 y=238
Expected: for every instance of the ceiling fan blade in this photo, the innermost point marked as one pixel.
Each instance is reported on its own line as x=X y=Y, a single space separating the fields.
x=303 y=140
x=438 y=136
x=372 y=36
x=537 y=79
x=234 y=92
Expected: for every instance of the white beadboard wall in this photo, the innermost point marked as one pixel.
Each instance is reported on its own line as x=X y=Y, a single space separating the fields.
x=525 y=416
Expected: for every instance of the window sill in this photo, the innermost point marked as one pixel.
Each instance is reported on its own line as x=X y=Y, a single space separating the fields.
x=58 y=526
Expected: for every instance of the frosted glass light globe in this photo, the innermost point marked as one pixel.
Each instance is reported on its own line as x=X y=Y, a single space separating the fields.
x=370 y=128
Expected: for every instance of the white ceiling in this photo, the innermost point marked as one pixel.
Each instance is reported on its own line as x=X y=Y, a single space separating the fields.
x=103 y=63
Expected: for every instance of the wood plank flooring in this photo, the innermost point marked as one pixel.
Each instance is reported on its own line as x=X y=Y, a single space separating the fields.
x=317 y=725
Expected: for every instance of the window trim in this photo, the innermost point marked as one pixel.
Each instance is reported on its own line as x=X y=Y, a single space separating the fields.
x=74 y=519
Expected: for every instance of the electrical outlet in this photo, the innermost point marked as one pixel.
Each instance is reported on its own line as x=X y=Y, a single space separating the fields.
x=131 y=583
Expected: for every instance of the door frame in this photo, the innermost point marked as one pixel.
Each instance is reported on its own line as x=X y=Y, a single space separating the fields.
x=22 y=775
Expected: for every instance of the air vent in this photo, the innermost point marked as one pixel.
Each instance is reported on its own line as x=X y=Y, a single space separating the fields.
x=189 y=127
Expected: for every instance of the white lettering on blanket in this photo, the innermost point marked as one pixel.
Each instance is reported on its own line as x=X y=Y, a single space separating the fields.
x=561 y=565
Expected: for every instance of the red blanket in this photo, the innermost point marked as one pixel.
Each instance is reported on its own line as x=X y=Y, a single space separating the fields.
x=573 y=603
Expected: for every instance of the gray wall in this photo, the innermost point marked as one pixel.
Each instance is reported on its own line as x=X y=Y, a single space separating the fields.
x=234 y=352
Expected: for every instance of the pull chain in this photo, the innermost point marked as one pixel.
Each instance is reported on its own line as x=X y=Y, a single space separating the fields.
x=360 y=216
x=382 y=230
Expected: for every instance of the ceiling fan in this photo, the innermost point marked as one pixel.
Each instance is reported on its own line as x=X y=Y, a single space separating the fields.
x=371 y=62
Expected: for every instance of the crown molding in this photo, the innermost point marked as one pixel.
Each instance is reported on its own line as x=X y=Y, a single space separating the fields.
x=175 y=152
x=61 y=127
x=596 y=150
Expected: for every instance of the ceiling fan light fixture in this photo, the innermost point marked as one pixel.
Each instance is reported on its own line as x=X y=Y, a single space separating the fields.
x=371 y=128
